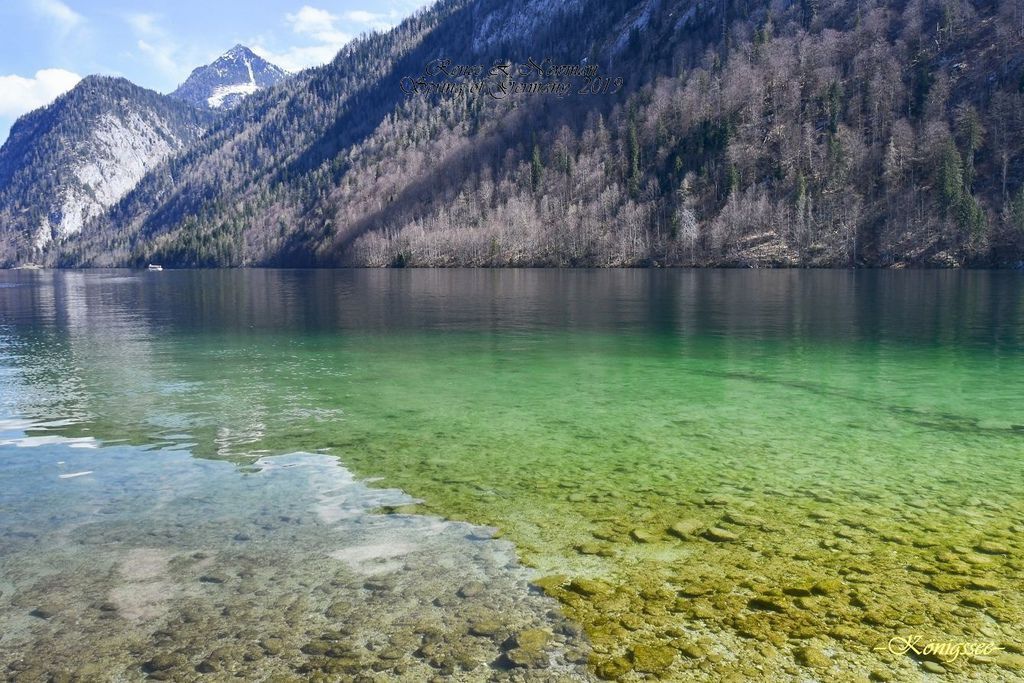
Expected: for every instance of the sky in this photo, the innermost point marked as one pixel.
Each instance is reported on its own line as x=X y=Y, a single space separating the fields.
x=47 y=46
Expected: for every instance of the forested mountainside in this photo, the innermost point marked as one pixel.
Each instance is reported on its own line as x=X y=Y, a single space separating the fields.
x=64 y=164
x=744 y=133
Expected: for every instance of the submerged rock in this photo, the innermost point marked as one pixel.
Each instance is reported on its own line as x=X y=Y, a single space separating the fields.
x=471 y=589
x=589 y=587
x=485 y=628
x=163 y=663
x=642 y=536
x=528 y=648
x=652 y=659
x=945 y=584
x=549 y=583
x=992 y=548
x=614 y=668
x=272 y=646
x=828 y=586
x=720 y=535
x=768 y=603
x=812 y=657
x=214 y=577
x=687 y=529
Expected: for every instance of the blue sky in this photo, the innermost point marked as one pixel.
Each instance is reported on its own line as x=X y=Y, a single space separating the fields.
x=48 y=45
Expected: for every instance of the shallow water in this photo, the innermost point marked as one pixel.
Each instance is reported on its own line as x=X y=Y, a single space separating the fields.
x=757 y=475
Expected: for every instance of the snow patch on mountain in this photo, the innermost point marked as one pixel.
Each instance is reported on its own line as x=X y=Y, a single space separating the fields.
x=237 y=73
x=222 y=94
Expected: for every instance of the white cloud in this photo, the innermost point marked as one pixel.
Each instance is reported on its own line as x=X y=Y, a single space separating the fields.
x=19 y=95
x=374 y=20
x=313 y=24
x=162 y=56
x=65 y=17
x=328 y=32
x=319 y=24
x=160 y=49
x=144 y=24
x=296 y=59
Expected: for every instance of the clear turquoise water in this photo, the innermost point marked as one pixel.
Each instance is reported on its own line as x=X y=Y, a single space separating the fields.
x=857 y=436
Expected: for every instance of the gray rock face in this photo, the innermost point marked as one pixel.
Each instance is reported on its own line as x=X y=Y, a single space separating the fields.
x=64 y=164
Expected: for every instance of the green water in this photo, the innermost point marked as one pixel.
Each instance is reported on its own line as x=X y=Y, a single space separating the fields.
x=841 y=452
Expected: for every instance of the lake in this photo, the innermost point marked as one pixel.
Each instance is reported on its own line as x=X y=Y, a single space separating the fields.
x=510 y=474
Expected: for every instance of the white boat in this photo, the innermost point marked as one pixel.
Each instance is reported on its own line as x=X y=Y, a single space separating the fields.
x=153 y=266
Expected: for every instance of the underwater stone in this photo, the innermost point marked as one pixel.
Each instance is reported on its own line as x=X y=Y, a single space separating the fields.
x=590 y=549
x=549 y=583
x=336 y=610
x=686 y=529
x=632 y=622
x=992 y=548
x=691 y=650
x=720 y=535
x=768 y=603
x=642 y=536
x=272 y=646
x=485 y=628
x=532 y=639
x=652 y=659
x=812 y=657
x=163 y=663
x=828 y=586
x=740 y=519
x=528 y=648
x=945 y=584
x=471 y=589
x=613 y=669
x=589 y=587
x=1007 y=660
x=213 y=578
x=208 y=666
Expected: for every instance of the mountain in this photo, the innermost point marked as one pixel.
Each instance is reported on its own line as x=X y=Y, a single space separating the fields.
x=64 y=164
x=235 y=74
x=736 y=132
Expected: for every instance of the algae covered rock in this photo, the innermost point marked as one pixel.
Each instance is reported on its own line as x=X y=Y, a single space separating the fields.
x=812 y=657
x=768 y=603
x=642 y=536
x=549 y=583
x=528 y=648
x=614 y=668
x=687 y=529
x=720 y=535
x=652 y=659
x=589 y=587
x=828 y=586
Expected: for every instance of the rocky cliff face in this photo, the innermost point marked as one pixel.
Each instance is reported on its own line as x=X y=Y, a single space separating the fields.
x=224 y=83
x=64 y=164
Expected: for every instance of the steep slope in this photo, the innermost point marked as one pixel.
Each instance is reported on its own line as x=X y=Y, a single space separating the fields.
x=234 y=75
x=242 y=194
x=745 y=133
x=65 y=163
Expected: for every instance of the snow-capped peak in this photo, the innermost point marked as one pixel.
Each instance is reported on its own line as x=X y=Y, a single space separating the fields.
x=232 y=76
